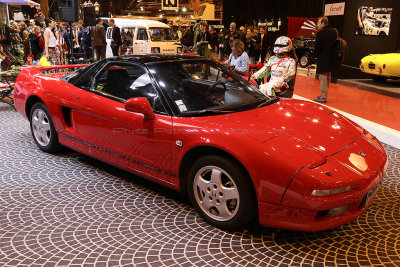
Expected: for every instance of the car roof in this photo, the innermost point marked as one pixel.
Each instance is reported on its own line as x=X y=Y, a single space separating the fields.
x=124 y=22
x=153 y=58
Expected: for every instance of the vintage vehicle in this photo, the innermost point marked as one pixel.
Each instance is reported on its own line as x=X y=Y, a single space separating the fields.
x=381 y=66
x=304 y=48
x=193 y=125
x=378 y=27
x=144 y=36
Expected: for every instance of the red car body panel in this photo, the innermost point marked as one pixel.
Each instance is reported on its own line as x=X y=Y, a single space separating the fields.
x=288 y=148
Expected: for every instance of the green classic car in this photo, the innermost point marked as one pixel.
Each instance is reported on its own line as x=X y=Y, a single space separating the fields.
x=381 y=66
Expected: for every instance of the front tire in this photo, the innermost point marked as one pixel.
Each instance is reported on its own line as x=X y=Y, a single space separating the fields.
x=42 y=128
x=222 y=192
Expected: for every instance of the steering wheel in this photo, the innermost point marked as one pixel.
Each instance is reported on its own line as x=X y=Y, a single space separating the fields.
x=210 y=89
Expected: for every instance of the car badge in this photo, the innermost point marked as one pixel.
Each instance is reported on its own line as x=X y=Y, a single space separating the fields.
x=362 y=153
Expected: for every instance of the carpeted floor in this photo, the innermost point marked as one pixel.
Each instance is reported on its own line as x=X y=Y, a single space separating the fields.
x=71 y=210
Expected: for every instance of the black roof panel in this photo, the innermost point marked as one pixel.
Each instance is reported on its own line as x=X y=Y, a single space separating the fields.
x=150 y=58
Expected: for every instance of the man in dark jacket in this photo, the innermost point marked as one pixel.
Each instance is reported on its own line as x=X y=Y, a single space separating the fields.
x=264 y=44
x=233 y=34
x=99 y=40
x=87 y=41
x=116 y=41
x=324 y=51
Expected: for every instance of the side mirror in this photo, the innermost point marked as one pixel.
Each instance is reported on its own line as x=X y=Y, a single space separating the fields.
x=140 y=105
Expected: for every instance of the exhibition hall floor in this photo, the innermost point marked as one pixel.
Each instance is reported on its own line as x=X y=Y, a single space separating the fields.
x=377 y=108
x=71 y=210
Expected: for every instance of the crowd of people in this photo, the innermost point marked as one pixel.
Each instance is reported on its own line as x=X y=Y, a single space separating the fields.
x=57 y=41
x=237 y=48
x=257 y=44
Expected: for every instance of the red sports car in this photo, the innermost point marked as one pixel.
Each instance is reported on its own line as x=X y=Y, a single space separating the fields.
x=195 y=126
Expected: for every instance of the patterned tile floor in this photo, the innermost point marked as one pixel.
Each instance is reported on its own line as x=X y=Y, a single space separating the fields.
x=71 y=210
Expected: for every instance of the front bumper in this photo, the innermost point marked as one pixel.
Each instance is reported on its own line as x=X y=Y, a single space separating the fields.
x=280 y=216
x=298 y=210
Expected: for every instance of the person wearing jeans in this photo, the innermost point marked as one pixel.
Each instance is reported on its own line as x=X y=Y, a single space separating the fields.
x=324 y=50
x=116 y=40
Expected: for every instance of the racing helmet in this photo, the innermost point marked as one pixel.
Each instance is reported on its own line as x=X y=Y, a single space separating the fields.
x=282 y=45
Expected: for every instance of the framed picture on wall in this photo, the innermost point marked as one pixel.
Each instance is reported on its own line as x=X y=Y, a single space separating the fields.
x=373 y=21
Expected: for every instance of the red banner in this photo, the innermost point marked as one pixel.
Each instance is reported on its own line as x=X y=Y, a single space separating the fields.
x=301 y=27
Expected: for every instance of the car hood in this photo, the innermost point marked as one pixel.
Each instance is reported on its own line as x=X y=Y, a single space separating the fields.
x=313 y=125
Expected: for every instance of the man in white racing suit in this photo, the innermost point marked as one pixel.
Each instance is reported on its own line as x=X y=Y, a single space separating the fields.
x=281 y=66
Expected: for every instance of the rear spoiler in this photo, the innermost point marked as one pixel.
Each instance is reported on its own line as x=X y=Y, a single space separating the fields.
x=54 y=68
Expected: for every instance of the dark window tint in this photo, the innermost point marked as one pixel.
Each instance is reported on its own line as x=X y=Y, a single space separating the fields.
x=203 y=84
x=127 y=81
x=82 y=78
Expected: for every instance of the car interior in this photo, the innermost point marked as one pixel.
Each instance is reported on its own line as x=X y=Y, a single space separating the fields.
x=127 y=82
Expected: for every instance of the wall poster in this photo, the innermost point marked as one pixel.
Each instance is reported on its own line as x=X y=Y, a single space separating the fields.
x=373 y=21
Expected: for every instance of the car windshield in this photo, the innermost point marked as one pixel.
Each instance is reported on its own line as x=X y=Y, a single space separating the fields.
x=197 y=86
x=158 y=34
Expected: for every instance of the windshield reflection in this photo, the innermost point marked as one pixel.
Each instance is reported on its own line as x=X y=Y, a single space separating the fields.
x=198 y=85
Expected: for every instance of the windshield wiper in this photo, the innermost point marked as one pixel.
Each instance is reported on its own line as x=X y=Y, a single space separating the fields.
x=204 y=112
x=269 y=101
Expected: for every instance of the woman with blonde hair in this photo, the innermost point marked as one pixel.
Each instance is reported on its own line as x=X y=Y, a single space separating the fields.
x=238 y=60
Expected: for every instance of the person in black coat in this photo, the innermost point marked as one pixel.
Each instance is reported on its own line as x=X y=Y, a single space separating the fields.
x=86 y=41
x=324 y=51
x=116 y=40
x=232 y=35
x=264 y=44
x=36 y=44
x=187 y=38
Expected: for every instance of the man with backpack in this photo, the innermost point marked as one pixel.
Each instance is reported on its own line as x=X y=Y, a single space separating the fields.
x=325 y=53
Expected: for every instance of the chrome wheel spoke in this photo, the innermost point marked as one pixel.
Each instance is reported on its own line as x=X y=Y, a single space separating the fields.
x=35 y=122
x=202 y=184
x=41 y=116
x=230 y=192
x=223 y=211
x=207 y=204
x=216 y=177
x=46 y=127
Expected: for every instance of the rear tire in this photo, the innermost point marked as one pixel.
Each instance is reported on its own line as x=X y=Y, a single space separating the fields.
x=380 y=79
x=42 y=128
x=222 y=192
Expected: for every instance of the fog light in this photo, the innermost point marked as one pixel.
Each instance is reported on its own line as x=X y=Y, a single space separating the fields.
x=333 y=212
x=331 y=192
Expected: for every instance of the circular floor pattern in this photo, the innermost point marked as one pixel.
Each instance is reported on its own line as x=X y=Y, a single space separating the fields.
x=71 y=210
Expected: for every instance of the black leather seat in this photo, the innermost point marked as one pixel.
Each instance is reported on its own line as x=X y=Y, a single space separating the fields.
x=117 y=83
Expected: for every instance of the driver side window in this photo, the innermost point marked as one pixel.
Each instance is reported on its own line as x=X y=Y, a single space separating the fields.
x=126 y=81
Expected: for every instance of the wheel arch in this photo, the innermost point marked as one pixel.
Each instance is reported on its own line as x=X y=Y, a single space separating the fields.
x=30 y=101
x=193 y=154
